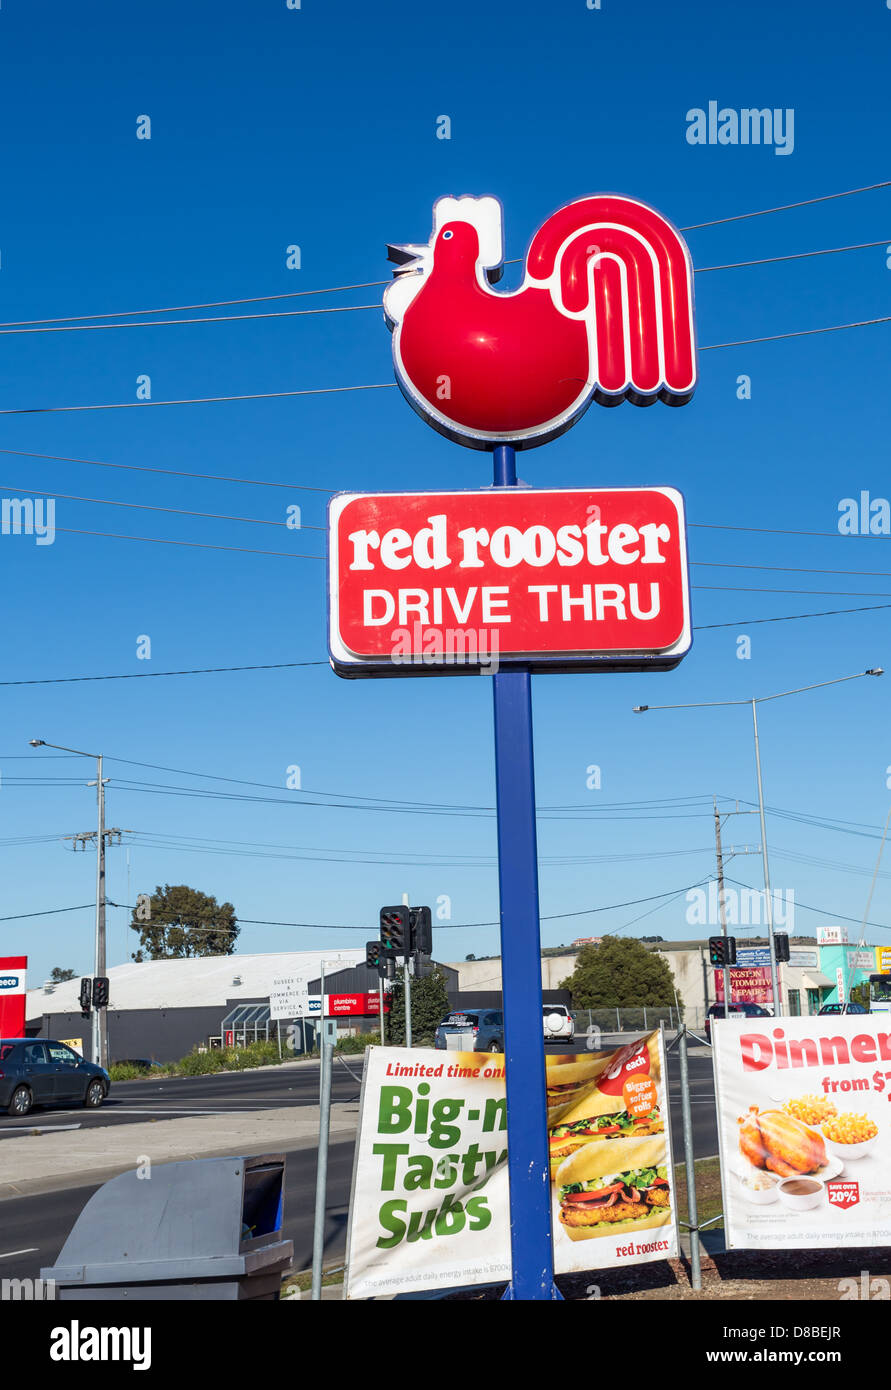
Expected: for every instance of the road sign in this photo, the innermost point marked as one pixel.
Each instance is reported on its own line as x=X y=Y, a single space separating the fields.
x=509 y=580
x=288 y=997
x=541 y=579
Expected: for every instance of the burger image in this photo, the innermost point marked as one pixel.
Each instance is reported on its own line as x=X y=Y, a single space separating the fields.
x=598 y=1199
x=568 y=1082
x=605 y=1121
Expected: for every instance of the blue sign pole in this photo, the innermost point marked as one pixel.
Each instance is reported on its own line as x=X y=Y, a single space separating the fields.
x=532 y=1259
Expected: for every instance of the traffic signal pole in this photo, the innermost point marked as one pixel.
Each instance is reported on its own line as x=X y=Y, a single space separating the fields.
x=532 y=1257
x=406 y=975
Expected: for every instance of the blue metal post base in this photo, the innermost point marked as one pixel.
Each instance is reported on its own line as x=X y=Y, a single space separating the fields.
x=532 y=1260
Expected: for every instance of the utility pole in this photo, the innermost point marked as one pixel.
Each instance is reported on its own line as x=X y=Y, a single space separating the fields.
x=103 y=839
x=722 y=905
x=100 y=1020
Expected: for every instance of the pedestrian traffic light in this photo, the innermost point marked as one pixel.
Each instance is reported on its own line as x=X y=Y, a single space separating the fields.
x=781 y=946
x=389 y=967
x=395 y=930
x=722 y=950
x=86 y=997
x=100 y=992
x=373 y=955
x=421 y=930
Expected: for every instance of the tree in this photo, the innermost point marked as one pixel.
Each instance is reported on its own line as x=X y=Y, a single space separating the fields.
x=429 y=1006
x=470 y=957
x=619 y=973
x=177 y=921
x=59 y=976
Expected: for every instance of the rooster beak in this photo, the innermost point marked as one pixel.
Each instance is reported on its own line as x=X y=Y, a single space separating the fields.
x=406 y=257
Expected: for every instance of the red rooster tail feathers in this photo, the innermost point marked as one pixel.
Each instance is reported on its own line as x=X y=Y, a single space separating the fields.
x=627 y=271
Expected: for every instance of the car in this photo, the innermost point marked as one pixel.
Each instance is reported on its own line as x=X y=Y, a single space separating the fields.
x=557 y=1023
x=736 y=1011
x=851 y=1008
x=471 y=1030
x=39 y=1071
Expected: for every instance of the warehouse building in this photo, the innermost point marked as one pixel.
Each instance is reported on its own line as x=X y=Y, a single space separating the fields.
x=161 y=1009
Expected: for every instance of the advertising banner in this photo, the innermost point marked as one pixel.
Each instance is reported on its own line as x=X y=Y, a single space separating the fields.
x=749 y=985
x=12 y=996
x=429 y=1206
x=553 y=579
x=804 y=1129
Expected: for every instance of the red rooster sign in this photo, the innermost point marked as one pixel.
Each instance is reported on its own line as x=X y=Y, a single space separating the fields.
x=605 y=313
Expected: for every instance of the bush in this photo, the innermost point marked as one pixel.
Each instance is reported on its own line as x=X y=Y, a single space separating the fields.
x=358 y=1043
x=198 y=1064
x=125 y=1071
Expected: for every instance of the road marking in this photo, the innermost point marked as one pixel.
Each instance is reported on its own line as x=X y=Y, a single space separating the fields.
x=10 y=1253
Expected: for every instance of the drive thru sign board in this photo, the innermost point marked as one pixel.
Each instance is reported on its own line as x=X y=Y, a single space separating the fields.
x=546 y=579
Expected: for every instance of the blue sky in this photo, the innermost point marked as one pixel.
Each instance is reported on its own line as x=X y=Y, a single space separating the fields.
x=317 y=127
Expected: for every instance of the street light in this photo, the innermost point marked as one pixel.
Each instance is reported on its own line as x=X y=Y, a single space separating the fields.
x=754 y=702
x=99 y=1033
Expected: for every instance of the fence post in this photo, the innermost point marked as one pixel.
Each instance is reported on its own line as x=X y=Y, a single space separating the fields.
x=689 y=1162
x=618 y=1024
x=645 y=1017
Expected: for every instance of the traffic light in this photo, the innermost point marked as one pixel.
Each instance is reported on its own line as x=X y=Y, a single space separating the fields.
x=395 y=930
x=373 y=955
x=86 y=997
x=421 y=930
x=100 y=992
x=781 y=946
x=389 y=968
x=722 y=950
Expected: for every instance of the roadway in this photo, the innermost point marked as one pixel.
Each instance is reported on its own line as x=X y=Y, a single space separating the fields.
x=176 y=1097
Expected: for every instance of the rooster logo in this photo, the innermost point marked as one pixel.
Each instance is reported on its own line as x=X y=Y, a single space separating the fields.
x=605 y=313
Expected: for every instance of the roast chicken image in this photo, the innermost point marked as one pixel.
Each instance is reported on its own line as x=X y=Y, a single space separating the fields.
x=769 y=1139
x=605 y=313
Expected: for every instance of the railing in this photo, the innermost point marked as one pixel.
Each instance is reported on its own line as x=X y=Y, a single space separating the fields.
x=638 y=1020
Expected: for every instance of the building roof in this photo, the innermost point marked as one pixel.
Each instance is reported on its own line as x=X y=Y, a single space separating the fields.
x=198 y=982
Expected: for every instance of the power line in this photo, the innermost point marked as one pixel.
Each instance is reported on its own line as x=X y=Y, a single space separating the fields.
x=823 y=911
x=211 y=304
x=796 y=256
x=200 y=400
x=176 y=511
x=216 y=318
x=381 y=385
x=801 y=333
x=781 y=531
x=787 y=569
x=169 y=472
x=792 y=617
x=786 y=207
x=75 y=324
x=373 y=284
x=154 y=675
x=830 y=593
x=194 y=545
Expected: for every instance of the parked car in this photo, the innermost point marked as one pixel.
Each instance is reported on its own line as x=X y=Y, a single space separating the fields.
x=736 y=1011
x=557 y=1022
x=471 y=1030
x=851 y=1008
x=38 y=1071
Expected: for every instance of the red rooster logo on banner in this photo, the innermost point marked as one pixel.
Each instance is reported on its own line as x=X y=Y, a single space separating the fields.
x=605 y=313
